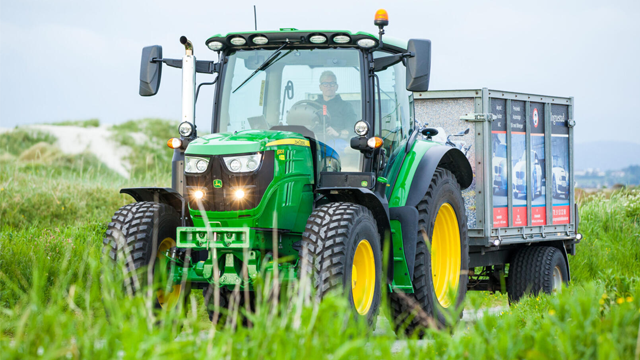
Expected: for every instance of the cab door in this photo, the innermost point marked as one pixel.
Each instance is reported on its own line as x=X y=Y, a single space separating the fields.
x=394 y=120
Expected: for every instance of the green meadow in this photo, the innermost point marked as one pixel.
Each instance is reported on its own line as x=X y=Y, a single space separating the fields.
x=55 y=301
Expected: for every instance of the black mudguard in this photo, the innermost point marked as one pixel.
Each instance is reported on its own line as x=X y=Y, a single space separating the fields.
x=156 y=194
x=445 y=157
x=408 y=217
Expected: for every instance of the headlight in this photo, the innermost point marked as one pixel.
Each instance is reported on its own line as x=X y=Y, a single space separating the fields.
x=361 y=128
x=244 y=163
x=195 y=165
x=185 y=129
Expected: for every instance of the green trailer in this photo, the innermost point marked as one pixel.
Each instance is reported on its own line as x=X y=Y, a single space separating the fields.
x=317 y=167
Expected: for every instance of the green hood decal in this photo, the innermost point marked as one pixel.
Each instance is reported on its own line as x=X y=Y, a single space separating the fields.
x=246 y=141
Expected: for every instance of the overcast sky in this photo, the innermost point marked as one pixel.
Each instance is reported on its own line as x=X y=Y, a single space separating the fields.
x=79 y=59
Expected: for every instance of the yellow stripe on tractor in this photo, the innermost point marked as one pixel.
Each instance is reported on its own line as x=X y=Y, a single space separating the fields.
x=298 y=142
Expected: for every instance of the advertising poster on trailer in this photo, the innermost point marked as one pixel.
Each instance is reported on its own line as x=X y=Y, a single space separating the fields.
x=519 y=163
x=537 y=171
x=499 y=161
x=560 y=164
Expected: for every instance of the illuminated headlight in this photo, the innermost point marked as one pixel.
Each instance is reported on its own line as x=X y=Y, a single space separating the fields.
x=198 y=194
x=260 y=40
x=245 y=163
x=239 y=194
x=361 y=128
x=341 y=39
x=366 y=43
x=215 y=45
x=185 y=129
x=238 y=41
x=519 y=181
x=318 y=39
x=195 y=165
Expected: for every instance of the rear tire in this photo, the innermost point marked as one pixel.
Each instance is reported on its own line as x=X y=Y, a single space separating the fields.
x=535 y=269
x=432 y=298
x=341 y=251
x=138 y=236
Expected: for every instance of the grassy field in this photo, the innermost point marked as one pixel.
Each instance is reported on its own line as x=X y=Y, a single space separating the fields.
x=54 y=302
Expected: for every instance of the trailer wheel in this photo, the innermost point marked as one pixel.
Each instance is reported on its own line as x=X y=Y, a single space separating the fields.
x=138 y=236
x=440 y=275
x=535 y=269
x=341 y=251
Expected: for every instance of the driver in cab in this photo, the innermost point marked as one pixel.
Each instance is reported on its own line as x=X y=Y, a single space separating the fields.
x=341 y=116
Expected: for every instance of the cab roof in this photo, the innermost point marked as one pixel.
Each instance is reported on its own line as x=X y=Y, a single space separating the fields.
x=277 y=37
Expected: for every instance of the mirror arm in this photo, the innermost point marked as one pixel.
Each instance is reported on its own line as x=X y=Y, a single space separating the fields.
x=202 y=66
x=383 y=63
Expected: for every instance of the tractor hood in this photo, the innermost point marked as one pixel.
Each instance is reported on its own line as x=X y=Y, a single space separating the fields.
x=242 y=142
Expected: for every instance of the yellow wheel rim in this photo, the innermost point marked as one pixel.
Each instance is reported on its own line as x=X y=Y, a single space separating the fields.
x=363 y=277
x=166 y=300
x=445 y=255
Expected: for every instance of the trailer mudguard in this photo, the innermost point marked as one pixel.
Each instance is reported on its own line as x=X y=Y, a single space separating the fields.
x=442 y=156
x=372 y=201
x=156 y=194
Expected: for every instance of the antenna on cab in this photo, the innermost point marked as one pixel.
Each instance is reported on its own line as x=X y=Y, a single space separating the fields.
x=255 y=17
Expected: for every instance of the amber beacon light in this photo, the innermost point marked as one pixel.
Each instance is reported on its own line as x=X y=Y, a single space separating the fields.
x=382 y=18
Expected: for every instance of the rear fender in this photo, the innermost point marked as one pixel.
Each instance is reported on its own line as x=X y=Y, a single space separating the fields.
x=441 y=156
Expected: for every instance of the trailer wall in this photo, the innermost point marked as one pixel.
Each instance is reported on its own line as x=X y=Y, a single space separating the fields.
x=520 y=147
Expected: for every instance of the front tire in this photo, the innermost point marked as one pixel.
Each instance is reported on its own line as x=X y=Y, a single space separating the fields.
x=341 y=251
x=138 y=236
x=442 y=259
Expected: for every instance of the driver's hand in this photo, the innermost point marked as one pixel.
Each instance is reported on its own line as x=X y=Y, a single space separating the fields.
x=332 y=132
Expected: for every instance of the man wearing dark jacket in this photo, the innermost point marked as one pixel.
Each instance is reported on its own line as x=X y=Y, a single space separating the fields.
x=341 y=117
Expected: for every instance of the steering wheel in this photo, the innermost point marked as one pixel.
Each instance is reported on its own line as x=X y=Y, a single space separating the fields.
x=306 y=113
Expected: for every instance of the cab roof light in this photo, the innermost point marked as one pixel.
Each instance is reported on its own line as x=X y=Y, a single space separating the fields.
x=215 y=46
x=318 y=39
x=341 y=39
x=260 y=40
x=238 y=41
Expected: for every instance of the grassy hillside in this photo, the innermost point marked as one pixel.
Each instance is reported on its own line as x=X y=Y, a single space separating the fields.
x=54 y=300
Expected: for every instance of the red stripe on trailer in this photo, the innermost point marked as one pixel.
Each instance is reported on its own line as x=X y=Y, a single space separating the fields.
x=500 y=217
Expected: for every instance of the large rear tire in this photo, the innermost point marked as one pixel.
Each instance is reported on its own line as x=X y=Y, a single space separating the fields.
x=441 y=268
x=341 y=251
x=137 y=237
x=536 y=269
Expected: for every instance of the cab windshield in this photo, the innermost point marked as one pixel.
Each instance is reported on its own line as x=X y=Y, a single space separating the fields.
x=316 y=92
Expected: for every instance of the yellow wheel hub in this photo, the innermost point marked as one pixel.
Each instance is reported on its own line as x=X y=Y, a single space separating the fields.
x=363 y=277
x=166 y=300
x=445 y=255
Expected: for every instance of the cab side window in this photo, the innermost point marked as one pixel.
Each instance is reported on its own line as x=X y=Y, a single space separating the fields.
x=396 y=102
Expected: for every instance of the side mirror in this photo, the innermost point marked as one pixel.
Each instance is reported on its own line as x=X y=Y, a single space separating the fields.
x=150 y=71
x=419 y=66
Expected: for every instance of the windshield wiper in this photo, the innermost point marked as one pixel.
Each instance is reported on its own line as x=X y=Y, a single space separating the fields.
x=270 y=61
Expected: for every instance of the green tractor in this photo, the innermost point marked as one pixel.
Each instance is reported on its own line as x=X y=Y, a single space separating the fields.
x=310 y=169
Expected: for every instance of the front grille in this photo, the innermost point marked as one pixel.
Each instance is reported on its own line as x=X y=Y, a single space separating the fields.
x=223 y=199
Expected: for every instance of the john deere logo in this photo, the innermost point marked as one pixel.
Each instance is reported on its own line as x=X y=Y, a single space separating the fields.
x=217 y=183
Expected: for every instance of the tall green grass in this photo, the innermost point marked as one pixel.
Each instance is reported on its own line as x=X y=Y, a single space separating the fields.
x=56 y=303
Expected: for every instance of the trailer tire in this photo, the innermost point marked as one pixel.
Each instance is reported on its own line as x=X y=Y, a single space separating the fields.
x=431 y=299
x=130 y=246
x=535 y=269
x=341 y=246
